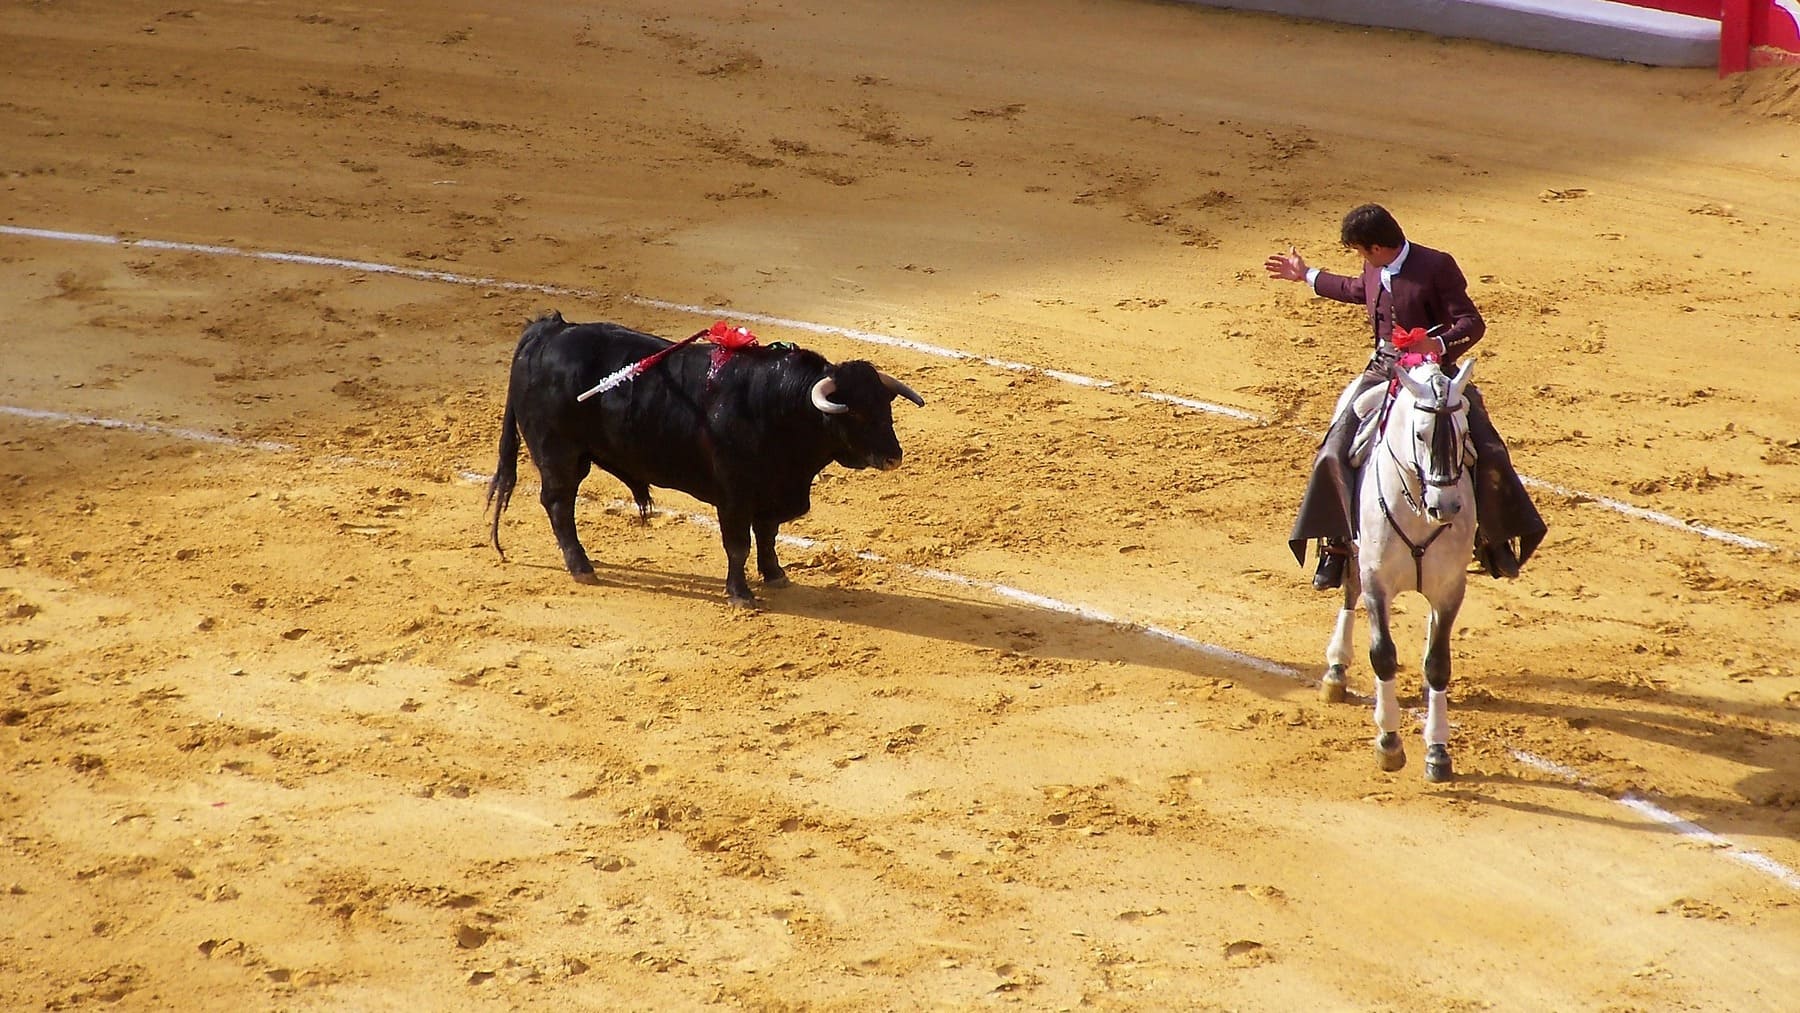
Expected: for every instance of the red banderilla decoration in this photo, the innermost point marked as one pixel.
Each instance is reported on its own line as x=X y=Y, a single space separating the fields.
x=728 y=338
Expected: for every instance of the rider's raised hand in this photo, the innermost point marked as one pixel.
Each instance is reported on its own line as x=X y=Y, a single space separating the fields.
x=1289 y=266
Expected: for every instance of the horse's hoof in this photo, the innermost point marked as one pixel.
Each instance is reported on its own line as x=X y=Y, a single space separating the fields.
x=1331 y=688
x=1437 y=764
x=589 y=578
x=744 y=602
x=1389 y=752
x=779 y=580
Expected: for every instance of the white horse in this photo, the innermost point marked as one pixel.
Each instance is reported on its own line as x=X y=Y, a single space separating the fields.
x=1416 y=513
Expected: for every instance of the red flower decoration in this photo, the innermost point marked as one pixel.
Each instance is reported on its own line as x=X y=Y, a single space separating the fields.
x=1405 y=339
x=725 y=335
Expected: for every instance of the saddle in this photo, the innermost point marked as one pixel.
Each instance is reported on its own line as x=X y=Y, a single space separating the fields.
x=1504 y=509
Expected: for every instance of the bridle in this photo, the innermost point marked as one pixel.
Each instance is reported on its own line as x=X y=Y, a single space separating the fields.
x=1446 y=442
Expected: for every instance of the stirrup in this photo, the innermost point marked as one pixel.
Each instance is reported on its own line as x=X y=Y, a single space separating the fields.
x=1499 y=559
x=1333 y=559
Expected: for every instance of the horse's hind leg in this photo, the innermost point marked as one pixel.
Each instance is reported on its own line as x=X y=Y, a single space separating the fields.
x=1337 y=651
x=1389 y=752
x=1437 y=693
x=1437 y=737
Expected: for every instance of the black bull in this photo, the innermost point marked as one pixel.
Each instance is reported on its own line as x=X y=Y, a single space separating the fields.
x=748 y=440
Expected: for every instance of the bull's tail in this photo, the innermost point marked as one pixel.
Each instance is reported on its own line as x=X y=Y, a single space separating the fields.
x=506 y=474
x=506 y=470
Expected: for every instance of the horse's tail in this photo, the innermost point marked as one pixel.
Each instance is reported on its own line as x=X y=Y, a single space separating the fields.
x=506 y=470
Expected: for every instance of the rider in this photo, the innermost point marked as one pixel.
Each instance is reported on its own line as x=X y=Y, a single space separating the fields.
x=1405 y=286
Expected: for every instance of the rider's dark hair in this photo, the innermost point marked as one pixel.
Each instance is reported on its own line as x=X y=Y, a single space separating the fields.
x=1371 y=225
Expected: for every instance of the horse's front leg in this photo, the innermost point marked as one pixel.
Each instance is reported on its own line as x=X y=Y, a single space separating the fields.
x=1332 y=688
x=1389 y=752
x=1437 y=689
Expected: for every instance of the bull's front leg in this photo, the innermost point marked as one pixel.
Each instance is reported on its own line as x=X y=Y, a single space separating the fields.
x=734 y=531
x=767 y=563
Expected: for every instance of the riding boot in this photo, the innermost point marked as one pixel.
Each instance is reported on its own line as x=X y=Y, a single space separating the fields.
x=1334 y=554
x=1497 y=558
x=1503 y=507
x=1327 y=510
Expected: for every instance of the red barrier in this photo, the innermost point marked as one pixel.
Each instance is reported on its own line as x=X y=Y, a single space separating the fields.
x=1752 y=33
x=1778 y=41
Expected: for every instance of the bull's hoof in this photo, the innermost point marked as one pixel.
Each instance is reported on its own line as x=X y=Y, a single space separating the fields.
x=1437 y=764
x=779 y=580
x=1331 y=688
x=1389 y=752
x=588 y=577
x=742 y=601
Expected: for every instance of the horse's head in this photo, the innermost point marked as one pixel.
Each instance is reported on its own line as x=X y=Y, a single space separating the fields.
x=1431 y=416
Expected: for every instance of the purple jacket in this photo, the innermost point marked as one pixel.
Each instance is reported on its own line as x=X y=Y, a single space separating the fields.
x=1429 y=290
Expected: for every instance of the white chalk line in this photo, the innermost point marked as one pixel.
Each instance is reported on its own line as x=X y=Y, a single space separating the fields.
x=196 y=435
x=1657 y=814
x=1645 y=808
x=867 y=337
x=1706 y=530
x=943 y=576
x=1214 y=651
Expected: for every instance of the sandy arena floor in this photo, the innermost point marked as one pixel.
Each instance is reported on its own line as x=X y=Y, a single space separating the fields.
x=278 y=730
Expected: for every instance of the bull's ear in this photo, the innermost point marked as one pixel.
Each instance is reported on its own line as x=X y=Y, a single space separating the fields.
x=900 y=389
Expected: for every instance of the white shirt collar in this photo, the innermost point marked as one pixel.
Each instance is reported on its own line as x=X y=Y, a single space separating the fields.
x=1388 y=272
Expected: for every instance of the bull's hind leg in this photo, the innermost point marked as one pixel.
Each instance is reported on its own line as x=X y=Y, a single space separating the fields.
x=1389 y=752
x=561 y=468
x=1337 y=652
x=767 y=563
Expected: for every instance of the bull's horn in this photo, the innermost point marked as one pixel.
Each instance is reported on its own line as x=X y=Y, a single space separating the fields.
x=821 y=396
x=901 y=389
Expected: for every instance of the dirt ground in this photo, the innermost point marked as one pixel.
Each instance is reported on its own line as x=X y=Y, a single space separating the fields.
x=1035 y=725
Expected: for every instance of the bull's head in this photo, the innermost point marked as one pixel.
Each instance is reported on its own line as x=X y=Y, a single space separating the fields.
x=857 y=401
